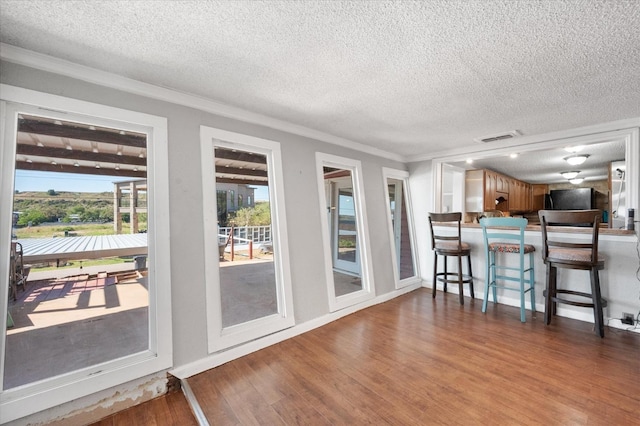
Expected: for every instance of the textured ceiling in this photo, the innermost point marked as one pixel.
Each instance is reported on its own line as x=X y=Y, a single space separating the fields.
x=410 y=78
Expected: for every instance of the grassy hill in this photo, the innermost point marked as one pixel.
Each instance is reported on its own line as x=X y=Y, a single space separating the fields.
x=39 y=207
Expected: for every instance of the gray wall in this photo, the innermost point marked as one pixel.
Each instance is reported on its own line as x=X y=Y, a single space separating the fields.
x=185 y=189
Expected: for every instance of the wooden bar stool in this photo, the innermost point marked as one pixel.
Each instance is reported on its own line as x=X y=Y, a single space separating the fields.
x=572 y=255
x=450 y=244
x=506 y=235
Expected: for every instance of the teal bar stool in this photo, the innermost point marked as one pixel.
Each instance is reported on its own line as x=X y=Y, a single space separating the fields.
x=506 y=235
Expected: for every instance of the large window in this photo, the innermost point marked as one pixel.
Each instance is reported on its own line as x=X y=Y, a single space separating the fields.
x=247 y=267
x=345 y=232
x=84 y=267
x=401 y=227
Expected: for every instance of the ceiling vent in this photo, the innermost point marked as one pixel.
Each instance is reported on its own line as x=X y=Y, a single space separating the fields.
x=498 y=137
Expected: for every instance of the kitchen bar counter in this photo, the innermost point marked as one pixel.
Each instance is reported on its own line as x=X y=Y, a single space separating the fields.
x=564 y=229
x=619 y=280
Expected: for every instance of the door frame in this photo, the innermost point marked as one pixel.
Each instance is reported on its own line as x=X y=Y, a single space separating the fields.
x=342 y=265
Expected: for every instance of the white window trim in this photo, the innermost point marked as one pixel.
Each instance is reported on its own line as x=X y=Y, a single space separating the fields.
x=401 y=175
x=220 y=338
x=366 y=265
x=31 y=398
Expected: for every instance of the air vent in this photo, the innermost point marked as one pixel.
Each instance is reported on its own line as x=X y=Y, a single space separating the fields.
x=498 y=137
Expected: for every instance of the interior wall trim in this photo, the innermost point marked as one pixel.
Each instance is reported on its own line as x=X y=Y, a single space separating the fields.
x=54 y=65
x=534 y=141
x=219 y=358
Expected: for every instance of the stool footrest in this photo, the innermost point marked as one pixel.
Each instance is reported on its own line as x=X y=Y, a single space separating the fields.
x=556 y=299
x=443 y=278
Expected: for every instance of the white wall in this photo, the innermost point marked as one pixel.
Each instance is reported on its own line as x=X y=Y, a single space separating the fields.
x=185 y=189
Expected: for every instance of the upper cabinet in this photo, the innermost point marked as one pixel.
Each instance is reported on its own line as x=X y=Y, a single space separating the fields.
x=488 y=190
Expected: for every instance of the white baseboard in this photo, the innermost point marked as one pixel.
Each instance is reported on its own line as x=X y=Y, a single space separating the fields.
x=219 y=358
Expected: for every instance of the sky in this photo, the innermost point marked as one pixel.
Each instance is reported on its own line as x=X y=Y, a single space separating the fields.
x=29 y=180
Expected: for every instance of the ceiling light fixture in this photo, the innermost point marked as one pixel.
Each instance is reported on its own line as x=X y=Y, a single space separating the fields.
x=469 y=160
x=76 y=164
x=576 y=181
x=54 y=163
x=97 y=166
x=28 y=160
x=40 y=145
x=117 y=166
x=135 y=169
x=576 y=160
x=514 y=155
x=570 y=175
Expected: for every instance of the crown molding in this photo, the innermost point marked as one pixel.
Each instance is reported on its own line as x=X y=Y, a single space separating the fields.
x=66 y=68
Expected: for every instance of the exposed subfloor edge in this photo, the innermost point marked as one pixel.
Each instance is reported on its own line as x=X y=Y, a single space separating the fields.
x=193 y=403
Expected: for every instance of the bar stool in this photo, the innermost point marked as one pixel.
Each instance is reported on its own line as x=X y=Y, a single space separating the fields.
x=572 y=255
x=446 y=245
x=506 y=235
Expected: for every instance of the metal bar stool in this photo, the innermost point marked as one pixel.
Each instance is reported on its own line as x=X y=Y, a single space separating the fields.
x=572 y=255
x=506 y=235
x=446 y=245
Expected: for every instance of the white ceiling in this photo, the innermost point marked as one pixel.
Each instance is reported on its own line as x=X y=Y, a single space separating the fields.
x=409 y=78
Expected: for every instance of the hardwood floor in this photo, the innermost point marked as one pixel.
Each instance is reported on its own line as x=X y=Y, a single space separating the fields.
x=415 y=360
x=170 y=409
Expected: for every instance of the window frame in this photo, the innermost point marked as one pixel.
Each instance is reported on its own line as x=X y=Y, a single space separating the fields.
x=403 y=176
x=366 y=265
x=34 y=397
x=220 y=338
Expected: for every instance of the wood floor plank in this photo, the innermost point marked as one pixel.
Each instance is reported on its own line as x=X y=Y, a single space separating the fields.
x=415 y=360
x=171 y=409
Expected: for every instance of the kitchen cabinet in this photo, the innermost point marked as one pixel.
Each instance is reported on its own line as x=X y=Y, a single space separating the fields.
x=538 y=191
x=519 y=196
x=484 y=187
